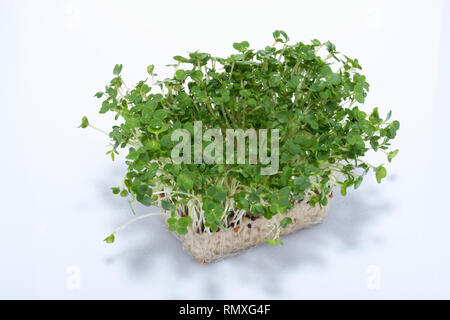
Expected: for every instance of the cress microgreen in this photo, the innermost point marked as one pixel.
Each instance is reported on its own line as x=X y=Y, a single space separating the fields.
x=310 y=92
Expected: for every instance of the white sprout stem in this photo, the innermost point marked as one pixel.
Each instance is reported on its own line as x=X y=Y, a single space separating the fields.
x=238 y=217
x=170 y=193
x=136 y=219
x=98 y=129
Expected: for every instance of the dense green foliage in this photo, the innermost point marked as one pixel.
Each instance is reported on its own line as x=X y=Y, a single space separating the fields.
x=310 y=92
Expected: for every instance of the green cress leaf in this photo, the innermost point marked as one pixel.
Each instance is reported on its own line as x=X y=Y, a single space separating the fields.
x=358 y=182
x=312 y=121
x=117 y=69
x=302 y=183
x=380 y=173
x=334 y=79
x=166 y=205
x=160 y=114
x=389 y=114
x=241 y=46
x=278 y=34
x=181 y=230
x=359 y=93
x=181 y=59
x=270 y=241
x=180 y=75
x=84 y=122
x=312 y=96
x=184 y=222
x=196 y=75
x=392 y=129
x=110 y=238
x=344 y=189
x=220 y=196
x=212 y=191
x=172 y=221
x=392 y=154
x=146 y=200
x=150 y=69
x=115 y=190
x=185 y=182
x=285 y=222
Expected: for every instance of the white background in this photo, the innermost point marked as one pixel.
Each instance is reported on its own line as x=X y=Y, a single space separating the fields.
x=383 y=241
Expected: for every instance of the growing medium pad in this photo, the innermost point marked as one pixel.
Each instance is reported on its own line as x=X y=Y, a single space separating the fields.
x=211 y=247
